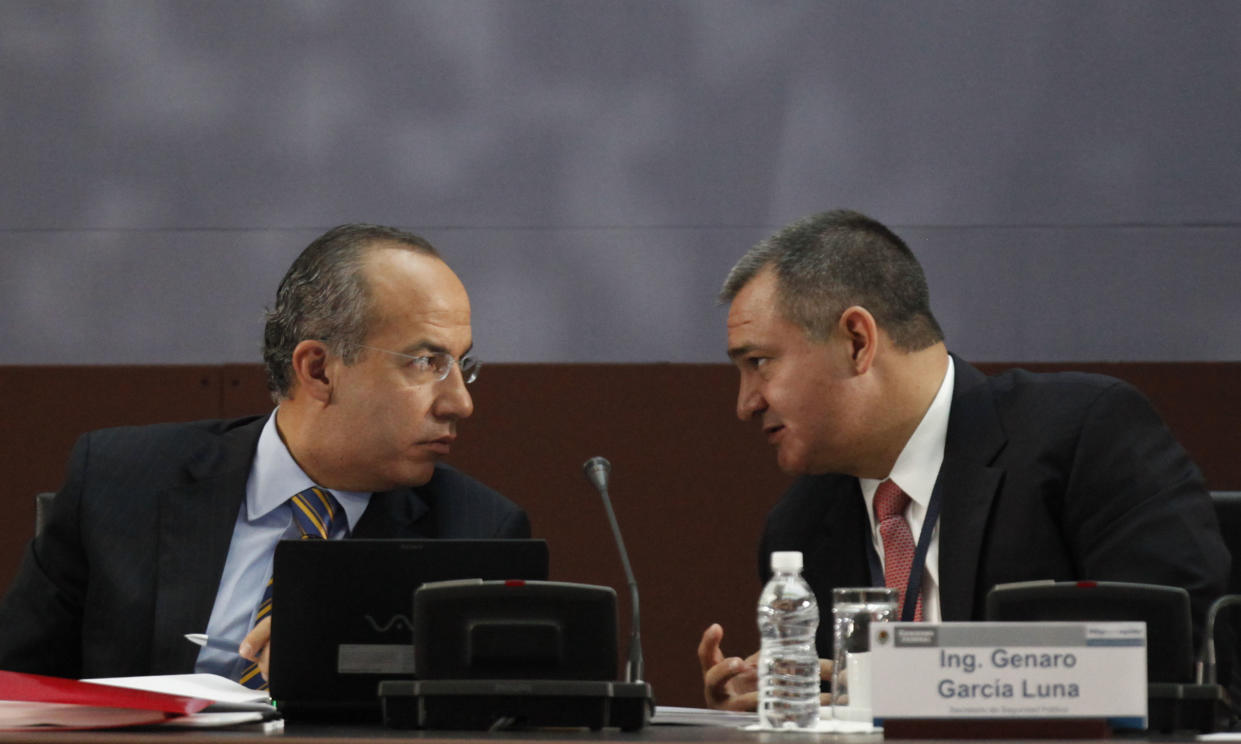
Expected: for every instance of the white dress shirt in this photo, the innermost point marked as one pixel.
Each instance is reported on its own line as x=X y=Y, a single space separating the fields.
x=915 y=471
x=265 y=518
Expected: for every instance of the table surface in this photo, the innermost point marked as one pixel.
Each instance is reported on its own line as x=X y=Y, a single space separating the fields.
x=316 y=733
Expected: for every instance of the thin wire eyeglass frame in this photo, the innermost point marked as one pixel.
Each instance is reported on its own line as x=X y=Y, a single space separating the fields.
x=468 y=365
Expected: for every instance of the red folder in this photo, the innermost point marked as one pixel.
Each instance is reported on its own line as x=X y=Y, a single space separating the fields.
x=34 y=688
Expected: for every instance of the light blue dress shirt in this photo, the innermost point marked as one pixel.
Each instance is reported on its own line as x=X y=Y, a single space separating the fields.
x=265 y=518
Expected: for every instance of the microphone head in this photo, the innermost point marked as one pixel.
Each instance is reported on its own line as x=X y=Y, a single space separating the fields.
x=597 y=470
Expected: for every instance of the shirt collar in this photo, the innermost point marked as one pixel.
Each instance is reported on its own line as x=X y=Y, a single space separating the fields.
x=917 y=466
x=275 y=477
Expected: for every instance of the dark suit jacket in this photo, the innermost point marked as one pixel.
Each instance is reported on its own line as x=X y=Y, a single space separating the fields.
x=1045 y=476
x=132 y=551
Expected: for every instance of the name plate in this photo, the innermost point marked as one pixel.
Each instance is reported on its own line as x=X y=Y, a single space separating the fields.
x=1093 y=670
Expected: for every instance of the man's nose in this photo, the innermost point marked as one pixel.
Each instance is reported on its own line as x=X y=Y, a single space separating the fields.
x=749 y=401
x=455 y=401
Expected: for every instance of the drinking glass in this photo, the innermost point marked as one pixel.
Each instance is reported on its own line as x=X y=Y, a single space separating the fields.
x=853 y=610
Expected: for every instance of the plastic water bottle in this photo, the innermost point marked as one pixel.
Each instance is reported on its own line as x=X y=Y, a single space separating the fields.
x=788 y=664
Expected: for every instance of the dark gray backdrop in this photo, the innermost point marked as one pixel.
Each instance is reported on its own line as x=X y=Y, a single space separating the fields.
x=1069 y=171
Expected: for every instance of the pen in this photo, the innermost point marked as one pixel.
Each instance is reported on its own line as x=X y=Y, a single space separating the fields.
x=222 y=644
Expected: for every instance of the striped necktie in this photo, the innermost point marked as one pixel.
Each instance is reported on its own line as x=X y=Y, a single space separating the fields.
x=317 y=516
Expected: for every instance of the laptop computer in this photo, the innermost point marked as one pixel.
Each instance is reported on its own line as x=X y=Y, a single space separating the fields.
x=1165 y=609
x=342 y=609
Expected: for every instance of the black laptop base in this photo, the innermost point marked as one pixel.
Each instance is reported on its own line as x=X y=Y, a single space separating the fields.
x=479 y=705
x=1177 y=707
x=331 y=711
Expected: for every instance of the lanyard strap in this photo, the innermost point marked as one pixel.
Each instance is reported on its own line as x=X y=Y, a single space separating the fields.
x=913 y=587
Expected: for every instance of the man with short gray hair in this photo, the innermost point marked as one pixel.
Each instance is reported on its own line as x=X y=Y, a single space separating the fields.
x=995 y=479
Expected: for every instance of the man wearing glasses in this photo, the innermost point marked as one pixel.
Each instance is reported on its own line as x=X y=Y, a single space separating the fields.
x=168 y=529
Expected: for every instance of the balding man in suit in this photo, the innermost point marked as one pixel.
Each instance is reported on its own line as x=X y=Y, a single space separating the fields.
x=168 y=529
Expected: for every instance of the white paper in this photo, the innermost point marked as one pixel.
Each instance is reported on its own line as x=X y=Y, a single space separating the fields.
x=214 y=720
x=667 y=714
x=202 y=686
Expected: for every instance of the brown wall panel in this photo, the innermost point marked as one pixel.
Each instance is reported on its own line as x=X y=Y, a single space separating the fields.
x=243 y=390
x=690 y=483
x=690 y=486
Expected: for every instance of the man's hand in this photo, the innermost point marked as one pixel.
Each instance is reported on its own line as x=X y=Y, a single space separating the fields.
x=729 y=684
x=256 y=646
x=732 y=683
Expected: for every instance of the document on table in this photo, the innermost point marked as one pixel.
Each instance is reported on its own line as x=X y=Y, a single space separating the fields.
x=226 y=694
x=673 y=715
x=233 y=704
x=35 y=702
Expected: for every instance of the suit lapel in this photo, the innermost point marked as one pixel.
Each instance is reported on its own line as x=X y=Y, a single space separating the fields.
x=968 y=491
x=393 y=514
x=842 y=538
x=195 y=529
x=969 y=482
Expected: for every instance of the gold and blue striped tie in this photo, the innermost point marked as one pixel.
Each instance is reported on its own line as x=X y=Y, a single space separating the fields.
x=317 y=515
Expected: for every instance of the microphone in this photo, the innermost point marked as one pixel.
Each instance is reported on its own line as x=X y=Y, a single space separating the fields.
x=1206 y=664
x=597 y=470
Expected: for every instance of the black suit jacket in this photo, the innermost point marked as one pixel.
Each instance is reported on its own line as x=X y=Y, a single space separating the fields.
x=131 y=554
x=1045 y=476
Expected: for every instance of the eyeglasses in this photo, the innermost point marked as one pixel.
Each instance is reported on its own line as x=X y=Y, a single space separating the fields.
x=436 y=365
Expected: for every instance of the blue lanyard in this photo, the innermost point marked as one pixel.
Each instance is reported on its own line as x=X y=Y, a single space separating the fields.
x=913 y=587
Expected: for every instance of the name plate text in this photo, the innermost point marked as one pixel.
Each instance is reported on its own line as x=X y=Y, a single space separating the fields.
x=1010 y=670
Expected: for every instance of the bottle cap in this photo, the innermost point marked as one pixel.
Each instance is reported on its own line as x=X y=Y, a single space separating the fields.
x=786 y=560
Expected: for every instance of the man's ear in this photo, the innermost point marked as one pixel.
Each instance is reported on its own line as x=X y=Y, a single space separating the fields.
x=862 y=332
x=310 y=367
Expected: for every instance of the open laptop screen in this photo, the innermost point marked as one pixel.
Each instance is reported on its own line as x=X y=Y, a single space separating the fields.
x=341 y=610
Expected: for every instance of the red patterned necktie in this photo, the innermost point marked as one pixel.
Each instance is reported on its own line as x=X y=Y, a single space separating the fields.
x=898 y=541
x=316 y=514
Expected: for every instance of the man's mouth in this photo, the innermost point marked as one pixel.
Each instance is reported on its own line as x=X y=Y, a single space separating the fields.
x=440 y=446
x=773 y=433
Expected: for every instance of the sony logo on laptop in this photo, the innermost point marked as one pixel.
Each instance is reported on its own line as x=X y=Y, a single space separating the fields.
x=400 y=622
